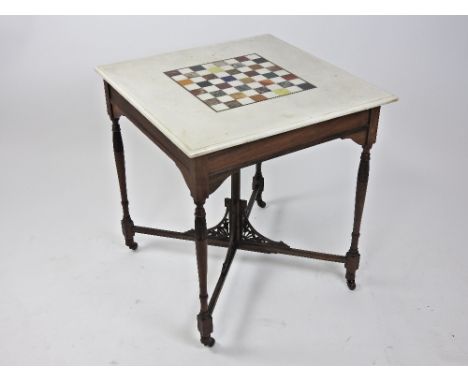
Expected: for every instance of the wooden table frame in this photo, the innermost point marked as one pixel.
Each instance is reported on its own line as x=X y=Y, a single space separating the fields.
x=204 y=174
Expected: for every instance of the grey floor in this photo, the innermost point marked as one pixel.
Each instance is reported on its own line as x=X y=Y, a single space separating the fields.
x=72 y=294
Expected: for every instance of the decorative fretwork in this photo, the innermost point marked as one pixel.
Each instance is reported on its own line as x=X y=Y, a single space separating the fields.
x=221 y=230
x=251 y=236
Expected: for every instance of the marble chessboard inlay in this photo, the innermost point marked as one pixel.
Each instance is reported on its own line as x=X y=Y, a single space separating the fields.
x=238 y=81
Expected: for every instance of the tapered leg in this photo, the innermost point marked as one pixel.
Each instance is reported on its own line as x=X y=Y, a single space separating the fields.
x=127 y=223
x=205 y=321
x=259 y=183
x=352 y=257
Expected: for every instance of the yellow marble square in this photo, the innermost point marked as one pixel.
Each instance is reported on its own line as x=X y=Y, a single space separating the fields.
x=215 y=69
x=281 y=92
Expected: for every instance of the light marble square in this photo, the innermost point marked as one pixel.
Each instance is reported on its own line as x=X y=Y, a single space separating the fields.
x=211 y=88
x=297 y=81
x=252 y=56
x=180 y=77
x=230 y=91
x=240 y=76
x=236 y=83
x=198 y=129
x=255 y=85
x=205 y=96
x=220 y=107
x=216 y=81
x=270 y=95
x=226 y=98
x=277 y=80
x=196 y=79
x=192 y=87
x=221 y=74
x=281 y=72
x=294 y=89
x=259 y=77
x=250 y=93
x=273 y=87
x=246 y=101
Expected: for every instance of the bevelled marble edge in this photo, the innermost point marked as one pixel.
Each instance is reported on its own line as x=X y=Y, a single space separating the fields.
x=305 y=123
x=196 y=152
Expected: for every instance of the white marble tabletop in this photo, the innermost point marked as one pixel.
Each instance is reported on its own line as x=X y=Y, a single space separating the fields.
x=212 y=98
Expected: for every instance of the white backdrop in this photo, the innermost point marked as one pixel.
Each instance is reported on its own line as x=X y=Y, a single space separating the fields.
x=72 y=293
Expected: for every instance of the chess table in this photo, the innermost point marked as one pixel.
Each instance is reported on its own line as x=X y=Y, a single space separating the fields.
x=215 y=110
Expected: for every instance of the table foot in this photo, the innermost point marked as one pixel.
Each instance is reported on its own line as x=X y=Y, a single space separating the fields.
x=133 y=246
x=260 y=202
x=350 y=281
x=207 y=341
x=128 y=230
x=205 y=327
x=352 y=265
x=258 y=183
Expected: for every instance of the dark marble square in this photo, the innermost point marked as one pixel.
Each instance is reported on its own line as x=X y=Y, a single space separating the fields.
x=192 y=75
x=204 y=84
x=242 y=58
x=228 y=78
x=198 y=91
x=212 y=101
x=306 y=86
x=233 y=104
x=251 y=73
x=270 y=75
x=289 y=76
x=274 y=68
x=220 y=63
x=197 y=68
x=172 y=73
x=210 y=76
x=262 y=89
x=243 y=88
x=223 y=85
x=285 y=84
x=218 y=93
x=256 y=66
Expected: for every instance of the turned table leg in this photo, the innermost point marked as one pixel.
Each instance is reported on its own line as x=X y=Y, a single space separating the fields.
x=127 y=223
x=352 y=256
x=258 y=183
x=205 y=321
